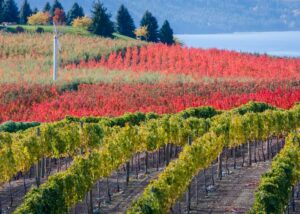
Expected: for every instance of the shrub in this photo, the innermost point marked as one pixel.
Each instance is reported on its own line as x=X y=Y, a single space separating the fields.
x=40 y=30
x=82 y=22
x=19 y=29
x=39 y=18
x=142 y=33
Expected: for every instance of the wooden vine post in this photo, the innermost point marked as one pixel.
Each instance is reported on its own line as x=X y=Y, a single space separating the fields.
x=188 y=193
x=220 y=165
x=249 y=153
x=38 y=165
x=127 y=172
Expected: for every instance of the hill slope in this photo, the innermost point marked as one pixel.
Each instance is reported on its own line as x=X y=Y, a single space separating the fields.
x=198 y=16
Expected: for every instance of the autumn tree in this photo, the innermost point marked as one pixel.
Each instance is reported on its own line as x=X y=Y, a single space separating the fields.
x=141 y=33
x=59 y=17
x=39 y=18
x=82 y=22
x=56 y=4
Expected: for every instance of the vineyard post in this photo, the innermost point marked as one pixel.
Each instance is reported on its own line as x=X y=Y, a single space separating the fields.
x=277 y=144
x=234 y=157
x=136 y=167
x=263 y=150
x=118 y=183
x=212 y=175
x=132 y=166
x=91 y=206
x=293 y=199
x=226 y=161
x=171 y=151
x=205 y=185
x=220 y=166
x=167 y=154
x=24 y=183
x=11 y=194
x=268 y=149
x=249 y=153
x=157 y=159
x=197 y=195
x=108 y=190
x=243 y=154
x=127 y=172
x=188 y=193
x=146 y=162
x=38 y=164
x=255 y=147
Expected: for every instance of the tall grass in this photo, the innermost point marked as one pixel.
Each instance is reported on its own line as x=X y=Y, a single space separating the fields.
x=28 y=57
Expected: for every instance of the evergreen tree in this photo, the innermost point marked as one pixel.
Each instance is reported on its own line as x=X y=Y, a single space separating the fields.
x=1 y=9
x=35 y=10
x=75 y=12
x=102 y=25
x=125 y=23
x=47 y=7
x=56 y=4
x=10 y=11
x=166 y=34
x=150 y=21
x=25 y=12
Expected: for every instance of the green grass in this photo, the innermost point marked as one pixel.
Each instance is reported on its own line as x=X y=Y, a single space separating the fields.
x=62 y=29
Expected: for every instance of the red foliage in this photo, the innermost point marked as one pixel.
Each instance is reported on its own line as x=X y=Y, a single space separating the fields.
x=116 y=99
x=200 y=63
x=59 y=17
x=272 y=80
x=16 y=101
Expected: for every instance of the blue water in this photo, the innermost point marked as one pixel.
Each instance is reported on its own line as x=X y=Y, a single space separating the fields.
x=271 y=43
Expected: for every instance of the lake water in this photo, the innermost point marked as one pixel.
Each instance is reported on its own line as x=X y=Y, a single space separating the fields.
x=272 y=43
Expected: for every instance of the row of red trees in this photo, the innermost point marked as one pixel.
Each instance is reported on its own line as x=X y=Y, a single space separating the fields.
x=199 y=63
x=49 y=104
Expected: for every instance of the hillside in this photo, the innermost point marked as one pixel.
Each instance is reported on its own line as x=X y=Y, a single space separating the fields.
x=199 y=16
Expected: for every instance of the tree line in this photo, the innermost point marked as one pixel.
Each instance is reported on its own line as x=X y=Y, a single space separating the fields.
x=100 y=22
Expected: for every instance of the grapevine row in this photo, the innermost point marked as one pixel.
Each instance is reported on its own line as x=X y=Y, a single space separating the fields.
x=276 y=185
x=227 y=131
x=63 y=190
x=18 y=152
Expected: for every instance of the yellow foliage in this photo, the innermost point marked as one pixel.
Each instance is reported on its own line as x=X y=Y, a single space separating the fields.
x=141 y=32
x=39 y=18
x=82 y=22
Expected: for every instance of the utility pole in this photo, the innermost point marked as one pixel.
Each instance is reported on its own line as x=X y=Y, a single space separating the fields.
x=55 y=56
x=56 y=49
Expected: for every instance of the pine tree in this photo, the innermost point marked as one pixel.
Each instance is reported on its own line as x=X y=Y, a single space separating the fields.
x=102 y=25
x=166 y=34
x=75 y=12
x=35 y=10
x=1 y=9
x=25 y=12
x=47 y=7
x=56 y=4
x=150 y=21
x=125 y=23
x=10 y=11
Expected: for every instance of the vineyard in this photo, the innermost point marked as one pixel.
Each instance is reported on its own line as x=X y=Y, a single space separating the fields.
x=128 y=128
